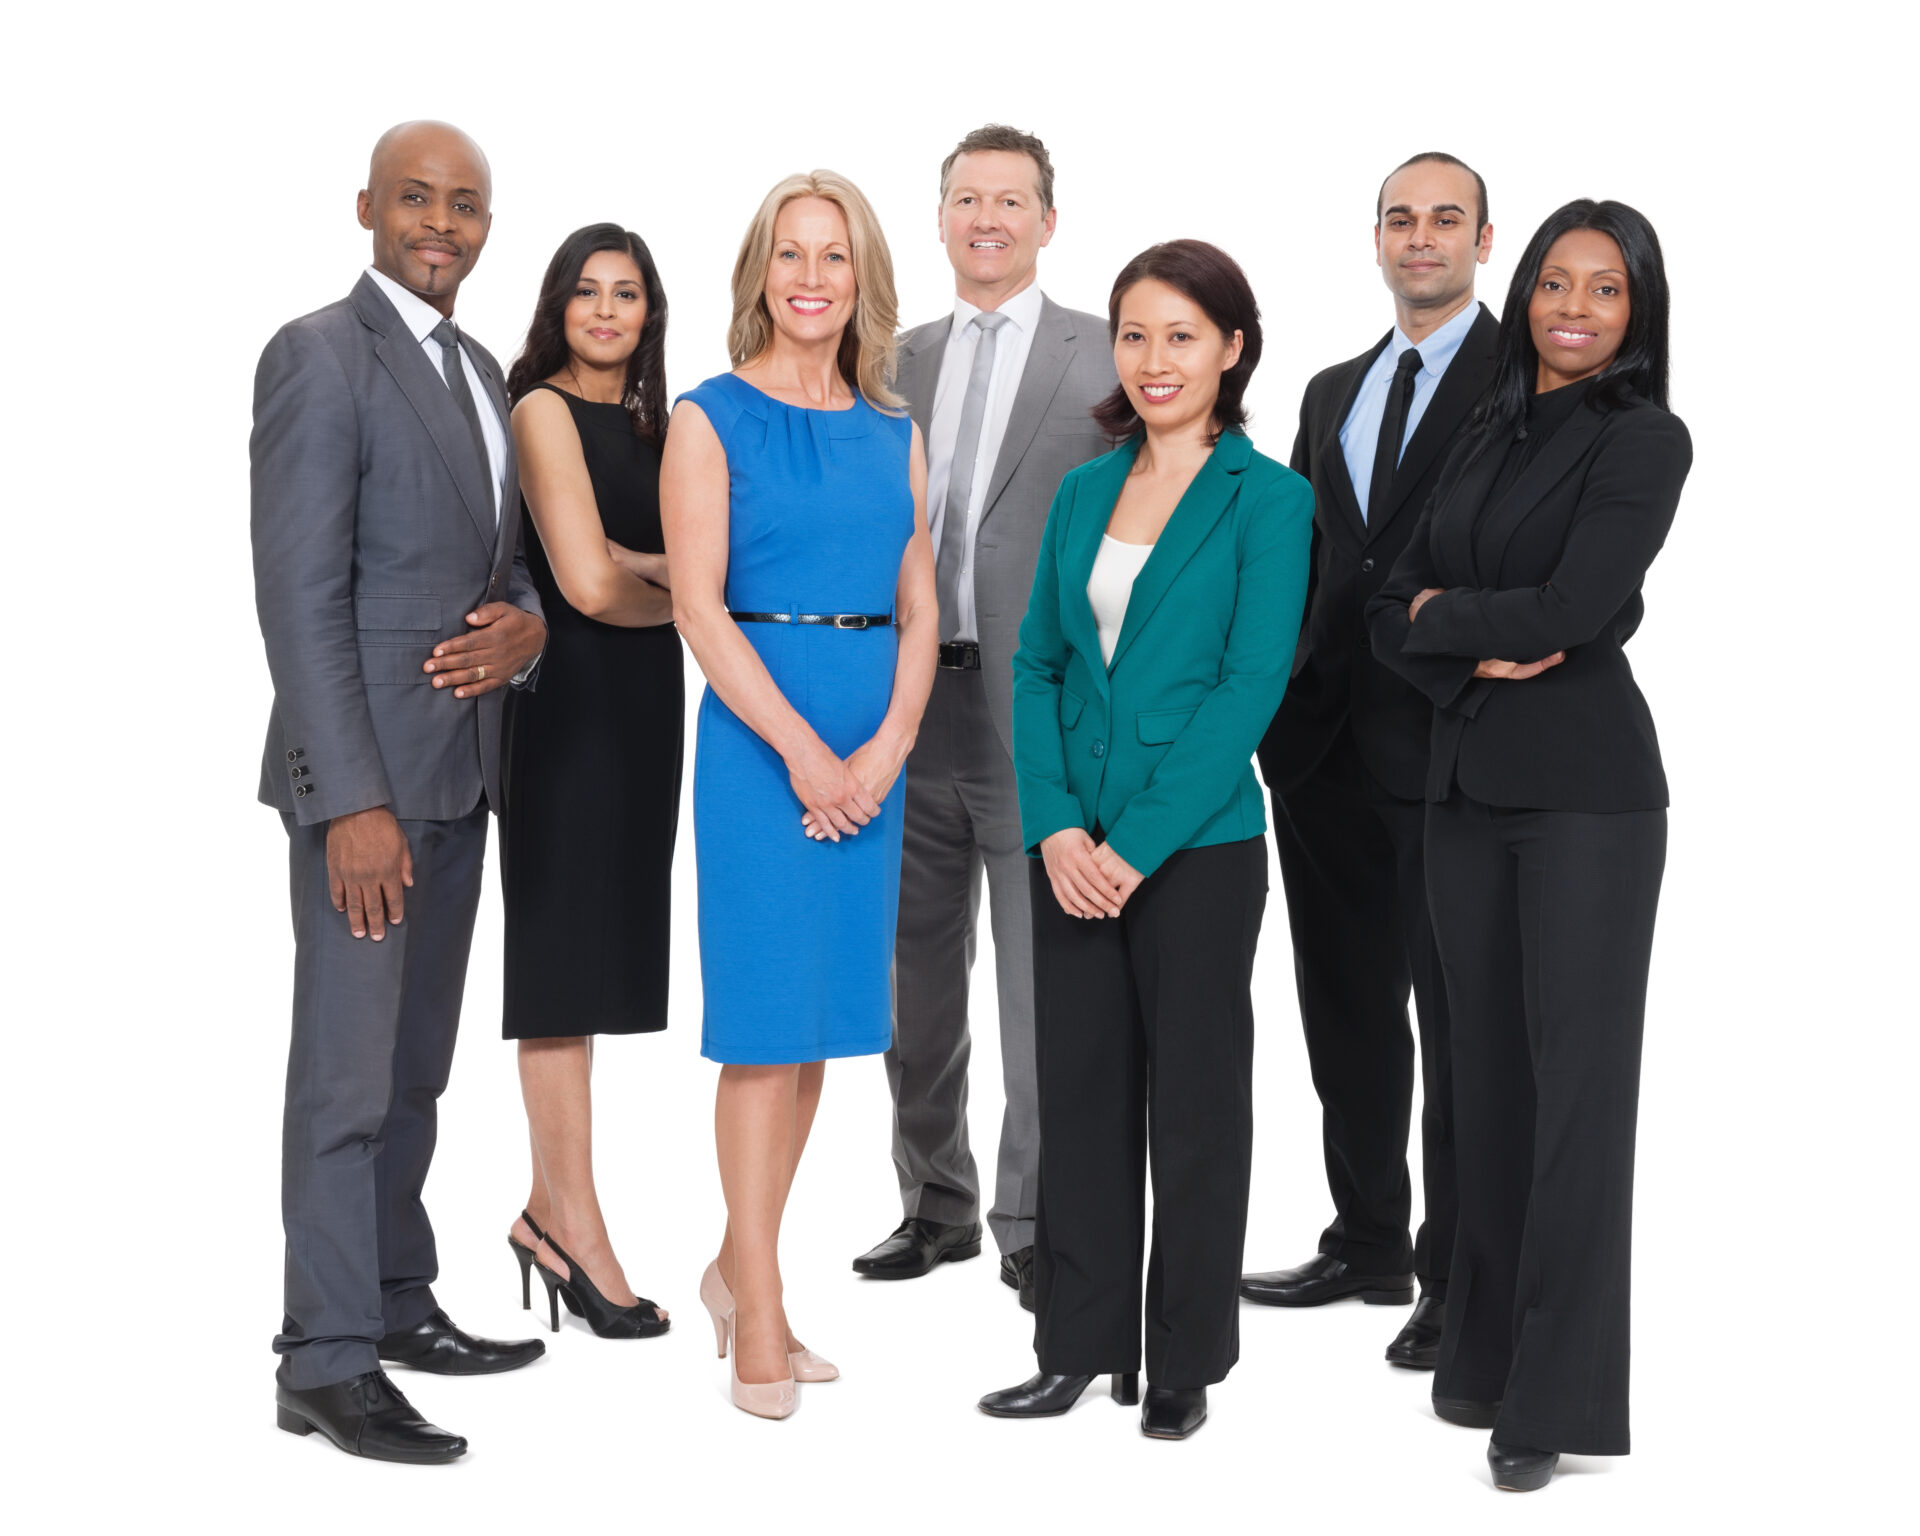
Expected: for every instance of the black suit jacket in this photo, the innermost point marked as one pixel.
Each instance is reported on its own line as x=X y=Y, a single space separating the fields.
x=1335 y=676
x=1554 y=565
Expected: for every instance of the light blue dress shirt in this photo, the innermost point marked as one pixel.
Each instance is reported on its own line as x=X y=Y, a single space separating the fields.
x=1361 y=434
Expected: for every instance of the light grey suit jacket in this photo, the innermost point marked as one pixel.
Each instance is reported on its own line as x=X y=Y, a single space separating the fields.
x=1069 y=369
x=373 y=537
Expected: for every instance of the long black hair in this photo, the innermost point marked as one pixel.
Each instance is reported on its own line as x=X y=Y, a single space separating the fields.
x=545 y=351
x=1639 y=367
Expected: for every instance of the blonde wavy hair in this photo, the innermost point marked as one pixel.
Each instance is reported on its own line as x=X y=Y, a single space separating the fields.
x=866 y=346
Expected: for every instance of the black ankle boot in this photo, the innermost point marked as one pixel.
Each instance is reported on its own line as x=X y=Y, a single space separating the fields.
x=1519 y=1468
x=1173 y=1413
x=1042 y=1396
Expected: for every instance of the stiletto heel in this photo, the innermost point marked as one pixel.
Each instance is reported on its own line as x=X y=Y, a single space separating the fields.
x=525 y=1255
x=642 y=1320
x=1126 y=1388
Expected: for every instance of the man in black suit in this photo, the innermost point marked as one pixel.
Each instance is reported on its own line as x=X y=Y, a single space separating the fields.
x=1346 y=761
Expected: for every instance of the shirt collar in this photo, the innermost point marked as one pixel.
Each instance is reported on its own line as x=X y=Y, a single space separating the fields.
x=1023 y=309
x=1438 y=349
x=420 y=316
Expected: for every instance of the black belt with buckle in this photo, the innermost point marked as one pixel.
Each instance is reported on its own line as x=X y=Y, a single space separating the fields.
x=960 y=655
x=837 y=620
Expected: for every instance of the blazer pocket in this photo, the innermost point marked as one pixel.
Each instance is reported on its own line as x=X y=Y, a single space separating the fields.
x=402 y=615
x=1070 y=706
x=1159 y=726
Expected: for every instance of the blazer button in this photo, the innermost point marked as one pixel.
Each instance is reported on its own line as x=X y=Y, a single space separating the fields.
x=1367 y=564
x=300 y=789
x=296 y=754
x=1099 y=749
x=493 y=581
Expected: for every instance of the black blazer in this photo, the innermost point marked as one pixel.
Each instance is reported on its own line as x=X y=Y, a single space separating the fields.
x=1555 y=564
x=1335 y=677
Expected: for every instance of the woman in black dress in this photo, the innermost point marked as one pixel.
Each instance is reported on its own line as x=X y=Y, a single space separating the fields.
x=592 y=779
x=1546 y=827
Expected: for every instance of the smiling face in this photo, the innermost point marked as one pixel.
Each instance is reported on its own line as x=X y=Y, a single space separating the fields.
x=810 y=283
x=1579 y=310
x=428 y=202
x=1170 y=357
x=993 y=225
x=608 y=310
x=1425 y=242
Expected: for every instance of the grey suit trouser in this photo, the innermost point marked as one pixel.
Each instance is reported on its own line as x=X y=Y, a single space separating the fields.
x=373 y=1033
x=962 y=818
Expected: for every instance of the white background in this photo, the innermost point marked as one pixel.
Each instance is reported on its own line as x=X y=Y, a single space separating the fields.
x=181 y=182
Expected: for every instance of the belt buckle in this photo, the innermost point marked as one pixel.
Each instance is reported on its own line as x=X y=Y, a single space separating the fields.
x=849 y=621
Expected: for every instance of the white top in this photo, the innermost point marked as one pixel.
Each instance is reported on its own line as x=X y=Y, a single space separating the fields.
x=1109 y=588
x=1011 y=345
x=420 y=318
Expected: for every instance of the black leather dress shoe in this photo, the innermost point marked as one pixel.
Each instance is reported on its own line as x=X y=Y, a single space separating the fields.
x=437 y=1346
x=1466 y=1412
x=1016 y=1270
x=1042 y=1396
x=915 y=1247
x=367 y=1416
x=1322 y=1279
x=1518 y=1469
x=1417 y=1346
x=1173 y=1413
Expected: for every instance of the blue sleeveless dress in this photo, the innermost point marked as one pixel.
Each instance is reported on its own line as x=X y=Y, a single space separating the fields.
x=796 y=936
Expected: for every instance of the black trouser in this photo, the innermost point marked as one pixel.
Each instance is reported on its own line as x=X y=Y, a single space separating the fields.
x=1144 y=1039
x=1352 y=867
x=1545 y=922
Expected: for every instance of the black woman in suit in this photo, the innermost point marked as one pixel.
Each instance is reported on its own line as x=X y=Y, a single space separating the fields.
x=1546 y=826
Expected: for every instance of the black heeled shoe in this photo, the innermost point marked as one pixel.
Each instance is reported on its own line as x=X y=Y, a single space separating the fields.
x=1042 y=1396
x=1519 y=1468
x=525 y=1255
x=642 y=1320
x=1173 y=1413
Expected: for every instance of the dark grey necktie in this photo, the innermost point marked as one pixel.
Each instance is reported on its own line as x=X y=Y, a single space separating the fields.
x=1393 y=427
x=456 y=378
x=952 y=554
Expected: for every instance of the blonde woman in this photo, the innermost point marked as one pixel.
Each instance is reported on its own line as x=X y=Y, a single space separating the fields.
x=793 y=494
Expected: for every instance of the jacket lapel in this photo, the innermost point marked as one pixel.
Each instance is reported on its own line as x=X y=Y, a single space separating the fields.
x=1503 y=519
x=1206 y=499
x=1346 y=501
x=1047 y=359
x=1456 y=506
x=1460 y=388
x=510 y=487
x=921 y=354
x=427 y=392
x=1093 y=509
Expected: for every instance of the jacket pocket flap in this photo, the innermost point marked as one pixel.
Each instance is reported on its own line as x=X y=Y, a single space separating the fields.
x=1070 y=706
x=1161 y=725
x=371 y=611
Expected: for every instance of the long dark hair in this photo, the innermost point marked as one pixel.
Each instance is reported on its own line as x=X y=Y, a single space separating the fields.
x=545 y=351
x=1638 y=368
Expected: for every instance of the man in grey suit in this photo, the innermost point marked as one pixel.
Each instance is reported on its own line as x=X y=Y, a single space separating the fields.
x=1001 y=390
x=395 y=606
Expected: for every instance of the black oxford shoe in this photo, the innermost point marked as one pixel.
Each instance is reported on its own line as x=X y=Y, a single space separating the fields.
x=436 y=1346
x=1417 y=1346
x=367 y=1416
x=1042 y=1396
x=1518 y=1469
x=1466 y=1412
x=1016 y=1270
x=1322 y=1279
x=1173 y=1413
x=915 y=1247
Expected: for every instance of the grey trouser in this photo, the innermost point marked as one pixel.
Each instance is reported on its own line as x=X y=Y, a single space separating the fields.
x=373 y=1033
x=962 y=817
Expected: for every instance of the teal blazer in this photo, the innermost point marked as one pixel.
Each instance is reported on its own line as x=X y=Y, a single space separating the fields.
x=1156 y=749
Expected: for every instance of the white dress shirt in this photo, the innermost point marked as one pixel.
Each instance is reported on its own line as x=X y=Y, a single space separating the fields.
x=1011 y=345
x=1110 y=588
x=421 y=317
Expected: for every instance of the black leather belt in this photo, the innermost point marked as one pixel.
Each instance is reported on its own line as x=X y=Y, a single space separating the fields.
x=960 y=655
x=837 y=620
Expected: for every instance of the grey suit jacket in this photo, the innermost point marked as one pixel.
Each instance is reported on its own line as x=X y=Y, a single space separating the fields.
x=1069 y=369
x=373 y=537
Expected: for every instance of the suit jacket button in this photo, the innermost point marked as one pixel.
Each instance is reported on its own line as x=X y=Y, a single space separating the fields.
x=1099 y=749
x=1367 y=564
x=296 y=754
x=300 y=789
x=493 y=581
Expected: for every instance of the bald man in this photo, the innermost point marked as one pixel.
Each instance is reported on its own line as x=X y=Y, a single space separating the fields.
x=395 y=606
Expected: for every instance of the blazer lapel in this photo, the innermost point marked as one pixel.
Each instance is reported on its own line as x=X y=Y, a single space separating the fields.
x=1503 y=519
x=1200 y=508
x=1093 y=509
x=1047 y=359
x=510 y=487
x=920 y=358
x=427 y=392
x=1346 y=501
x=1459 y=391
x=1456 y=506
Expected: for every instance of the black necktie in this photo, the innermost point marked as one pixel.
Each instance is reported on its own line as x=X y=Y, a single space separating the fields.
x=1393 y=427
x=456 y=378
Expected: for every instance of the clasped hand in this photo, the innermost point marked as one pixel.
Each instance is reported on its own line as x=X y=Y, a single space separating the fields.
x=637 y=562
x=503 y=642
x=842 y=796
x=1509 y=671
x=1089 y=879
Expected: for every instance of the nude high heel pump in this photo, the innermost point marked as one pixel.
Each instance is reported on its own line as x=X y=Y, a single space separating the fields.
x=805 y=1364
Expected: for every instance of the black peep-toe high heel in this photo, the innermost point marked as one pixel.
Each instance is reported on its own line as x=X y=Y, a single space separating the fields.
x=642 y=1320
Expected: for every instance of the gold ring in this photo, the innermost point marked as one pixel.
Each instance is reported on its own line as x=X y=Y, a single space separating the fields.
x=480 y=674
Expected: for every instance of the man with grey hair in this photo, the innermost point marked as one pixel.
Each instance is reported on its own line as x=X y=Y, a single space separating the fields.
x=1001 y=390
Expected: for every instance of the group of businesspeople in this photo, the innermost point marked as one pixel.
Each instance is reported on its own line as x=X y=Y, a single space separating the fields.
x=1007 y=595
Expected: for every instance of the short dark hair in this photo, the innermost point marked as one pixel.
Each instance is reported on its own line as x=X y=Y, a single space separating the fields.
x=1435 y=157
x=1013 y=140
x=1213 y=280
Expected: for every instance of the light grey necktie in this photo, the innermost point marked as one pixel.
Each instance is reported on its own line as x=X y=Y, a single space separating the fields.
x=952 y=554
x=456 y=377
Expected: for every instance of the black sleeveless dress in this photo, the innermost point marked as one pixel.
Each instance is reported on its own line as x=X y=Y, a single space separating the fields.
x=592 y=782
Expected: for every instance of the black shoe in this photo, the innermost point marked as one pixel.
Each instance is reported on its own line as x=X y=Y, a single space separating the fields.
x=915 y=1247
x=1417 y=1346
x=436 y=1346
x=1042 y=1396
x=1173 y=1413
x=642 y=1320
x=1516 y=1469
x=1016 y=1270
x=1321 y=1279
x=367 y=1416
x=1466 y=1412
